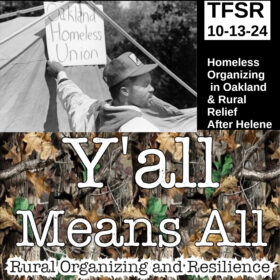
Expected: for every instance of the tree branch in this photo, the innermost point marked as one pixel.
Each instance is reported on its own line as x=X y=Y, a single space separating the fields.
x=251 y=151
x=260 y=175
x=26 y=165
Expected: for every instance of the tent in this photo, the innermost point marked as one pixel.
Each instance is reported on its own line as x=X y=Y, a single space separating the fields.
x=28 y=97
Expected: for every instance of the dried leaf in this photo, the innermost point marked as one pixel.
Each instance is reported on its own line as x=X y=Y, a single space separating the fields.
x=245 y=252
x=207 y=252
x=271 y=146
x=112 y=252
x=38 y=183
x=270 y=218
x=213 y=251
x=276 y=201
x=91 y=136
x=250 y=137
x=238 y=278
x=12 y=190
x=260 y=254
x=276 y=155
x=277 y=258
x=231 y=222
x=173 y=192
x=6 y=146
x=91 y=216
x=143 y=201
x=202 y=216
x=131 y=212
x=230 y=140
x=10 y=201
x=41 y=143
x=14 y=155
x=7 y=220
x=229 y=182
x=276 y=273
x=3 y=233
x=48 y=151
x=228 y=185
x=33 y=141
x=167 y=143
x=190 y=250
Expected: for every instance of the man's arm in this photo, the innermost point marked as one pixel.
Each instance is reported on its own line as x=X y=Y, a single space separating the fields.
x=75 y=102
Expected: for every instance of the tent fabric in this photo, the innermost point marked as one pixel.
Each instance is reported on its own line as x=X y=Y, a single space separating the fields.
x=28 y=97
x=174 y=123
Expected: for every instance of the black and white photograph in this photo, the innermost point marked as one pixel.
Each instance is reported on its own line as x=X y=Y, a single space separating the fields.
x=103 y=66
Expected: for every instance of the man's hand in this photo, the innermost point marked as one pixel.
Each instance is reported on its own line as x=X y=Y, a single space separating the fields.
x=53 y=68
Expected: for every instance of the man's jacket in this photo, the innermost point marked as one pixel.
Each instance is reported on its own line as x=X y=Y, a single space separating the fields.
x=87 y=114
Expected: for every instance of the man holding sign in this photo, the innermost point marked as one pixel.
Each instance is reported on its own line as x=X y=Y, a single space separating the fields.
x=75 y=34
x=133 y=108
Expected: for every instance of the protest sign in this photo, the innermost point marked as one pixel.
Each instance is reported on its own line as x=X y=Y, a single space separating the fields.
x=75 y=35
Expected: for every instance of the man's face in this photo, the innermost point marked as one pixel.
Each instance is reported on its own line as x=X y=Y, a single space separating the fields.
x=140 y=91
